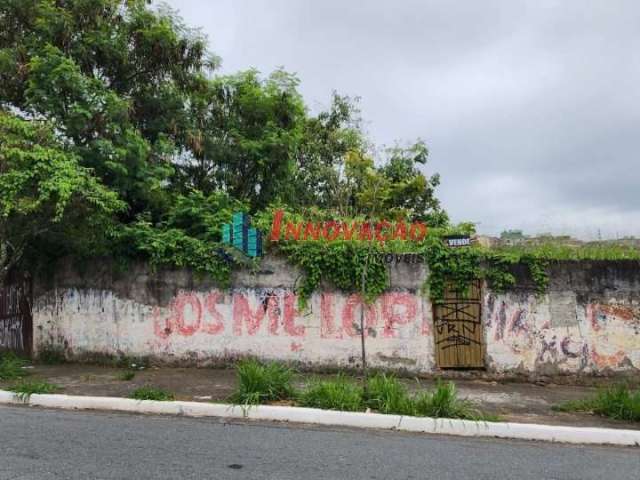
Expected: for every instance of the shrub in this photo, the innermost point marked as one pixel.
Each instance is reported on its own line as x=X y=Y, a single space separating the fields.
x=25 y=389
x=11 y=367
x=618 y=402
x=336 y=394
x=386 y=394
x=262 y=382
x=151 y=393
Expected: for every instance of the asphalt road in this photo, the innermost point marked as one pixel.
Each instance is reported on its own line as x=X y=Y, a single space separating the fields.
x=43 y=444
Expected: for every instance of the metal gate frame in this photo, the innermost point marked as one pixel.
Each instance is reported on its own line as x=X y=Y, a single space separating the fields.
x=458 y=330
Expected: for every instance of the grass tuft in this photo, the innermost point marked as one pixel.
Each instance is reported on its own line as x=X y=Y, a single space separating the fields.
x=336 y=394
x=25 y=389
x=618 y=402
x=126 y=375
x=443 y=402
x=152 y=393
x=11 y=367
x=386 y=394
x=262 y=382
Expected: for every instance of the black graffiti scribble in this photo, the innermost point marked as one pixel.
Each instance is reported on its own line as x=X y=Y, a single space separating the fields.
x=458 y=322
x=456 y=332
x=564 y=346
x=549 y=346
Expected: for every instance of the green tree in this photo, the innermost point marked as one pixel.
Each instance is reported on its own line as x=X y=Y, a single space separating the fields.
x=129 y=99
x=115 y=77
x=411 y=192
x=245 y=136
x=397 y=188
x=328 y=138
x=43 y=189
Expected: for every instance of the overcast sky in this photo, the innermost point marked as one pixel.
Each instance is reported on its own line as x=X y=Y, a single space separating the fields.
x=531 y=110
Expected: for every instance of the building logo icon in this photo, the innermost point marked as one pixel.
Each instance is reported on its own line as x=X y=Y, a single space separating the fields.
x=242 y=236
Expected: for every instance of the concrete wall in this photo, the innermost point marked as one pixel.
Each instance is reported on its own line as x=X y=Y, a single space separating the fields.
x=587 y=323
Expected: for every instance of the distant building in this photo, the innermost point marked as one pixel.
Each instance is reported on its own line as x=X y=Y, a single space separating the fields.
x=517 y=237
x=486 y=241
x=512 y=237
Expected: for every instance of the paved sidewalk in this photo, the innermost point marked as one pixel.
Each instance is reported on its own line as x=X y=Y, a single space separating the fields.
x=514 y=402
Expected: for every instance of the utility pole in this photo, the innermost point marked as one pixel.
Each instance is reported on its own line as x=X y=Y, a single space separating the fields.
x=363 y=285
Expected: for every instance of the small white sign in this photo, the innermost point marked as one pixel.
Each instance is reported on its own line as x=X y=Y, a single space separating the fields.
x=459 y=241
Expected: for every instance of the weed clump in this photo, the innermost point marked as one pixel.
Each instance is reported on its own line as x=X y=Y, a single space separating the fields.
x=336 y=394
x=25 y=389
x=260 y=382
x=443 y=402
x=619 y=402
x=52 y=355
x=126 y=376
x=386 y=394
x=152 y=393
x=264 y=382
x=11 y=367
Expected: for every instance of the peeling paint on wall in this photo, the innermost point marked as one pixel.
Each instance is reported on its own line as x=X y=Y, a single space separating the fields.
x=261 y=322
x=573 y=329
x=524 y=335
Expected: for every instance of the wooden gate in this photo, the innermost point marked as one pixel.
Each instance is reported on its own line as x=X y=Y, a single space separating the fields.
x=16 y=326
x=458 y=328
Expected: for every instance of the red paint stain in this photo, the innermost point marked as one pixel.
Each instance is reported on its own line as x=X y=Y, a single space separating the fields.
x=607 y=361
x=183 y=303
x=391 y=315
x=518 y=322
x=599 y=314
x=290 y=314
x=210 y=304
x=350 y=324
x=244 y=314
x=328 y=327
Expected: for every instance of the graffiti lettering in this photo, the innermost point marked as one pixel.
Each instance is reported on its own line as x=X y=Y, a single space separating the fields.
x=275 y=313
x=242 y=313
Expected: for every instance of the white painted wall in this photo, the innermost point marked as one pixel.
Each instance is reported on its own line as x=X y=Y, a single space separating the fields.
x=559 y=332
x=216 y=324
x=554 y=333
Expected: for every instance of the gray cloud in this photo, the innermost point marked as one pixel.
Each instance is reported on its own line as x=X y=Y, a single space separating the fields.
x=531 y=109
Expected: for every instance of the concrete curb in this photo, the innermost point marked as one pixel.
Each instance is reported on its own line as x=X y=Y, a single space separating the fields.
x=465 y=428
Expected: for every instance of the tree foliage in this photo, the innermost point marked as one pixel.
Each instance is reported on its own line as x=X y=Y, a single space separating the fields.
x=136 y=147
x=245 y=137
x=397 y=188
x=44 y=190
